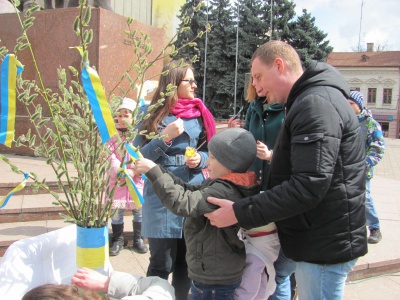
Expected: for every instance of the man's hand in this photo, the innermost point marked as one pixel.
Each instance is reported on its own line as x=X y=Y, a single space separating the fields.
x=89 y=279
x=223 y=216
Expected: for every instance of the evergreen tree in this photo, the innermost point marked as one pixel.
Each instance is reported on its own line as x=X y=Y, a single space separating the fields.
x=282 y=12
x=254 y=30
x=197 y=24
x=220 y=58
x=308 y=39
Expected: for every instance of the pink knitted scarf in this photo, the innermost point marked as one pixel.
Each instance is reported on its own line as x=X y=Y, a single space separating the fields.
x=193 y=108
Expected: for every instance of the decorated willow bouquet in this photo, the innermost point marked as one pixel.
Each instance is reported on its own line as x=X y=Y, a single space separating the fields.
x=80 y=121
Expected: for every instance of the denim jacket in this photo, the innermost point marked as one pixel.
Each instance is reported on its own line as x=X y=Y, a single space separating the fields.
x=157 y=221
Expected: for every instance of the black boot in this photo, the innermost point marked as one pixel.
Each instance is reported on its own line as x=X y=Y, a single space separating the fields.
x=138 y=243
x=118 y=239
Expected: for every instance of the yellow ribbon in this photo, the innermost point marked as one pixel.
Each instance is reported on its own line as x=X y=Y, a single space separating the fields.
x=4 y=201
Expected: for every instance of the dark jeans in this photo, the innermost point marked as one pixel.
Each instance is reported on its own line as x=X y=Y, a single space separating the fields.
x=202 y=291
x=168 y=256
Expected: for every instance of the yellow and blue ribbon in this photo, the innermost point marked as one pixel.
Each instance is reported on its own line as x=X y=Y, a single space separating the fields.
x=10 y=68
x=135 y=154
x=98 y=102
x=132 y=188
x=4 y=201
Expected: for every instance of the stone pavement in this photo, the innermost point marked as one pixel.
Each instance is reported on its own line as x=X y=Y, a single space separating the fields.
x=383 y=257
x=385 y=189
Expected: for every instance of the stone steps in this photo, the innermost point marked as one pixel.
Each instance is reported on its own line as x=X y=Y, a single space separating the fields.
x=29 y=214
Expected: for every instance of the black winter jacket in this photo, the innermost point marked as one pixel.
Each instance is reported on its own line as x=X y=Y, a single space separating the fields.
x=316 y=188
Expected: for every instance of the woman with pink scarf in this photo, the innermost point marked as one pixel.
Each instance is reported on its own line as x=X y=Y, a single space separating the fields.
x=183 y=121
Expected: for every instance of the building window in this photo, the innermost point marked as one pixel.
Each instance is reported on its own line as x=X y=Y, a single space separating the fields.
x=387 y=96
x=372 y=95
x=355 y=89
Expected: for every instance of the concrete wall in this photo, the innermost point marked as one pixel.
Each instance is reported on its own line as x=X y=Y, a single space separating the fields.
x=51 y=36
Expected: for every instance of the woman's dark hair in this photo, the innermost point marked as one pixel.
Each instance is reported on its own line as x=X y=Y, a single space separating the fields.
x=60 y=292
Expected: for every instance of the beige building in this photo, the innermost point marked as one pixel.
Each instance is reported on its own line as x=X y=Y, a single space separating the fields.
x=377 y=76
x=158 y=13
x=137 y=9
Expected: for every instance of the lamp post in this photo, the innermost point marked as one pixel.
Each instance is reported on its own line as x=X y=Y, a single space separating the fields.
x=205 y=61
x=359 y=33
x=270 y=26
x=237 y=50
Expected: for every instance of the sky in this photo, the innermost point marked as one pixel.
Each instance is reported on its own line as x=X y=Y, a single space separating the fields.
x=340 y=19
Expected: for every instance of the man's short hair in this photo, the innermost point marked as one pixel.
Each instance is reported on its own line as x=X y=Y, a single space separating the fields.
x=271 y=50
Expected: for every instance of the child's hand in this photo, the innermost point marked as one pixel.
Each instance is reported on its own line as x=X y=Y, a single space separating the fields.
x=173 y=130
x=143 y=165
x=194 y=161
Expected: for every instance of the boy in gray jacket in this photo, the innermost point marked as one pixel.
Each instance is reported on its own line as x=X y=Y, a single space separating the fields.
x=215 y=256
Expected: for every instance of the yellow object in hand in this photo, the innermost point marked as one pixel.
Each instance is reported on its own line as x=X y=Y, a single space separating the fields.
x=190 y=152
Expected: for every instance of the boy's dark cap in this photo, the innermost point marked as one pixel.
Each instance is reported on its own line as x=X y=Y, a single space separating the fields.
x=235 y=148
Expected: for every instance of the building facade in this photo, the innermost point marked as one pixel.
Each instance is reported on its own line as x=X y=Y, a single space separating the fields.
x=377 y=76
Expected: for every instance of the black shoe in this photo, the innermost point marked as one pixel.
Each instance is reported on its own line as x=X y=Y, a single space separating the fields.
x=375 y=236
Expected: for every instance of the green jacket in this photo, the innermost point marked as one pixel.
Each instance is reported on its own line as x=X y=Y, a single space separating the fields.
x=214 y=255
x=265 y=126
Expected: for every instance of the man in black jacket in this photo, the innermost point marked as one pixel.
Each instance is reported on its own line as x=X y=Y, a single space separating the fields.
x=316 y=186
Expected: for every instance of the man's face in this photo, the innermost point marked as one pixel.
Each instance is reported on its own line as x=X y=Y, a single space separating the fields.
x=267 y=80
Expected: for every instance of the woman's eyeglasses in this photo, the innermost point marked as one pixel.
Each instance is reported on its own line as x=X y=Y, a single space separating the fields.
x=191 y=81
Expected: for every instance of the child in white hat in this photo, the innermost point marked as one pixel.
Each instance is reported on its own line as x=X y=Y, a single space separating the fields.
x=122 y=198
